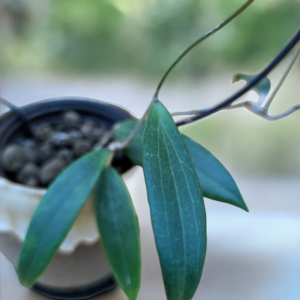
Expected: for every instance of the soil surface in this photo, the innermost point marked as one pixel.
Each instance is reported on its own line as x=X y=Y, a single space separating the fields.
x=38 y=160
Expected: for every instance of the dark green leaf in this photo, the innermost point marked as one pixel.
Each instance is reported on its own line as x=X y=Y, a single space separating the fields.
x=216 y=182
x=262 y=88
x=119 y=231
x=134 y=149
x=56 y=214
x=176 y=204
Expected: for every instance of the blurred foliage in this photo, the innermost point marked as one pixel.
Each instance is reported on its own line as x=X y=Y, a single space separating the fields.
x=140 y=36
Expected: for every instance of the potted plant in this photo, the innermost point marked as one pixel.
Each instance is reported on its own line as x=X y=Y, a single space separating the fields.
x=80 y=267
x=178 y=174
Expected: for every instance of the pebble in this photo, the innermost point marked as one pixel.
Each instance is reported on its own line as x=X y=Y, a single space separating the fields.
x=31 y=151
x=46 y=151
x=66 y=155
x=91 y=132
x=51 y=170
x=97 y=134
x=71 y=119
x=13 y=158
x=43 y=132
x=86 y=129
x=60 y=139
x=30 y=170
x=31 y=181
x=74 y=135
x=81 y=147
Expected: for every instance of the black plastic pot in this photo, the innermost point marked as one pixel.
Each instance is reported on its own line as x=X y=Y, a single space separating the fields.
x=50 y=111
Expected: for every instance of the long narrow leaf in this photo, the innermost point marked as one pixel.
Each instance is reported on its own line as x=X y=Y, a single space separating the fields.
x=216 y=182
x=119 y=231
x=56 y=214
x=176 y=204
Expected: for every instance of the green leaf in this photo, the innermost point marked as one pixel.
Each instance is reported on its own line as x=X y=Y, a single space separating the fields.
x=176 y=204
x=56 y=214
x=262 y=88
x=134 y=149
x=215 y=180
x=119 y=231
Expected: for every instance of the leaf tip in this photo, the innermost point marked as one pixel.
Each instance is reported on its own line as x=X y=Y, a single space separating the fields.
x=242 y=204
x=130 y=290
x=245 y=208
x=23 y=279
x=237 y=77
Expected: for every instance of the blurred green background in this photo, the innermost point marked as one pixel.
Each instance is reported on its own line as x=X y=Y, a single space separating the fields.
x=104 y=40
x=140 y=36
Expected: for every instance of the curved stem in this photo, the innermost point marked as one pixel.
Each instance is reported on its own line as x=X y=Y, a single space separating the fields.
x=204 y=113
x=197 y=42
x=286 y=73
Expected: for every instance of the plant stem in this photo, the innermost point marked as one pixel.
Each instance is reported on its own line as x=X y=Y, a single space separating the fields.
x=119 y=145
x=18 y=111
x=197 y=42
x=110 y=158
x=207 y=112
x=286 y=73
x=14 y=108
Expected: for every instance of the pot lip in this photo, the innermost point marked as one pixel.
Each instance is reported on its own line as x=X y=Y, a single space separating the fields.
x=73 y=98
x=29 y=188
x=64 y=249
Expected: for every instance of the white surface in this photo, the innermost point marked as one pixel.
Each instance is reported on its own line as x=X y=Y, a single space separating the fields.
x=251 y=256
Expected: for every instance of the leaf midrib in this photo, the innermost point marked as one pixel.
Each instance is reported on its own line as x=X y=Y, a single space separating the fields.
x=49 y=227
x=179 y=205
x=191 y=198
x=164 y=198
x=119 y=235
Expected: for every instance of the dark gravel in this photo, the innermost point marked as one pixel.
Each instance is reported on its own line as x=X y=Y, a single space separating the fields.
x=13 y=158
x=38 y=160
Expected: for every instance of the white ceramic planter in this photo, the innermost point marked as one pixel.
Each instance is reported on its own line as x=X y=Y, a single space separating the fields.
x=80 y=266
x=73 y=265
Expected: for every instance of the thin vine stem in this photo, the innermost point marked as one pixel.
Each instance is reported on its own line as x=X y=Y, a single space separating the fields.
x=283 y=78
x=117 y=145
x=18 y=111
x=197 y=42
x=207 y=112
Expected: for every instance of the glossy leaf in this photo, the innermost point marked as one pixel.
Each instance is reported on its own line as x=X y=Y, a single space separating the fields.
x=119 y=231
x=176 y=204
x=216 y=182
x=134 y=149
x=56 y=214
x=262 y=88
